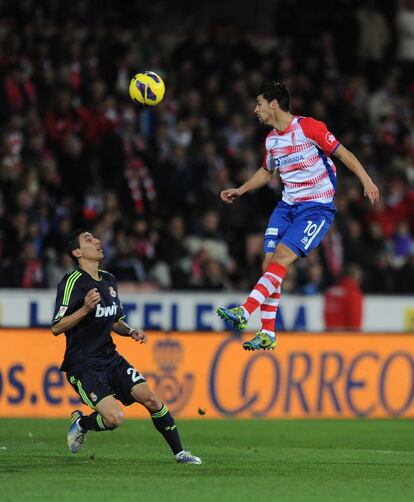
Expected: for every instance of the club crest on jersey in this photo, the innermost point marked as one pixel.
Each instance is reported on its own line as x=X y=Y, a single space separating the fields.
x=112 y=292
x=330 y=138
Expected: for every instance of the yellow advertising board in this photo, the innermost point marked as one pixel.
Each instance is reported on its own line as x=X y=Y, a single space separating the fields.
x=309 y=375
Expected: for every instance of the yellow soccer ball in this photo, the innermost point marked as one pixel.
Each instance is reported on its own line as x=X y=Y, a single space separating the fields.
x=147 y=88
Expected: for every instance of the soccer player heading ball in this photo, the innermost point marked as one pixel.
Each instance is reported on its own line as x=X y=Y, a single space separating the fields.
x=87 y=310
x=300 y=148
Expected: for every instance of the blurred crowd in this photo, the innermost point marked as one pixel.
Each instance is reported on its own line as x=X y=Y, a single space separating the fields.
x=75 y=151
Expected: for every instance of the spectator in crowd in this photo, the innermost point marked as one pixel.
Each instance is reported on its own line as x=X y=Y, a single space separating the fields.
x=343 y=309
x=75 y=151
x=405 y=34
x=405 y=276
x=374 y=39
x=313 y=284
x=208 y=237
x=172 y=251
x=380 y=275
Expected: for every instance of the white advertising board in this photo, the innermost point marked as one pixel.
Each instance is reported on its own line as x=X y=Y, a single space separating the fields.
x=178 y=311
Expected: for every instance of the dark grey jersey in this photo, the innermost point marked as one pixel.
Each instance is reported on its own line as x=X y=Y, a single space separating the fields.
x=90 y=340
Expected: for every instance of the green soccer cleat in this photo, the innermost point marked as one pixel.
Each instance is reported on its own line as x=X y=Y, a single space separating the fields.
x=234 y=317
x=261 y=341
x=76 y=435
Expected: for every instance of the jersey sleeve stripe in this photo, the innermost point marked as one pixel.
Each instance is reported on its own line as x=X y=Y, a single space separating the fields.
x=68 y=282
x=69 y=286
x=328 y=167
x=335 y=148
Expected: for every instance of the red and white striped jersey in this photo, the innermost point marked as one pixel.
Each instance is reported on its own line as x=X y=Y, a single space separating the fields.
x=302 y=153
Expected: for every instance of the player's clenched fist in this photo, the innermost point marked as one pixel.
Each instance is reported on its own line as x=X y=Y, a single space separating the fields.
x=230 y=195
x=138 y=335
x=92 y=299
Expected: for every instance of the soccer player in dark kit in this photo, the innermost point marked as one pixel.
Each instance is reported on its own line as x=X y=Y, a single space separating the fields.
x=87 y=310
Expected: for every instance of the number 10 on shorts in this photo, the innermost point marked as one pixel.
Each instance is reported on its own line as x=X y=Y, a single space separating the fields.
x=311 y=231
x=310 y=228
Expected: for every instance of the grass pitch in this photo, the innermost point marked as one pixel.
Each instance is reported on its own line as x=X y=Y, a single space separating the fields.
x=244 y=460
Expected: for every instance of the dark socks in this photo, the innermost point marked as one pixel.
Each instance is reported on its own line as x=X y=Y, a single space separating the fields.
x=162 y=420
x=93 y=422
x=164 y=423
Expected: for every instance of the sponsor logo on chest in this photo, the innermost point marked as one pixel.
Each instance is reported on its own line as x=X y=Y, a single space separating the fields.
x=286 y=160
x=106 y=311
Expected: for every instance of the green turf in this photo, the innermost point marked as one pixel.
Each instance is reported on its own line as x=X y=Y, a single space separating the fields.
x=243 y=461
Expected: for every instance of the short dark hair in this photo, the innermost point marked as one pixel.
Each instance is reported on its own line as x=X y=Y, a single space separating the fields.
x=72 y=243
x=277 y=91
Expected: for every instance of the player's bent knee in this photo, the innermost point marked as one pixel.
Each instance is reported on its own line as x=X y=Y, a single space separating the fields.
x=152 y=402
x=114 y=419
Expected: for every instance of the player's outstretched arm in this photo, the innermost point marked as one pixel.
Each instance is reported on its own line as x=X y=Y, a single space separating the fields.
x=92 y=299
x=121 y=328
x=353 y=164
x=260 y=178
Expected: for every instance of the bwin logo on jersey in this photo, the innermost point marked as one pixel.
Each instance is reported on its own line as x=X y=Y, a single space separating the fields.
x=106 y=311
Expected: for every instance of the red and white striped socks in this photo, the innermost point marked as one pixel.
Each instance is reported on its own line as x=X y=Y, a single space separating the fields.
x=268 y=310
x=266 y=295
